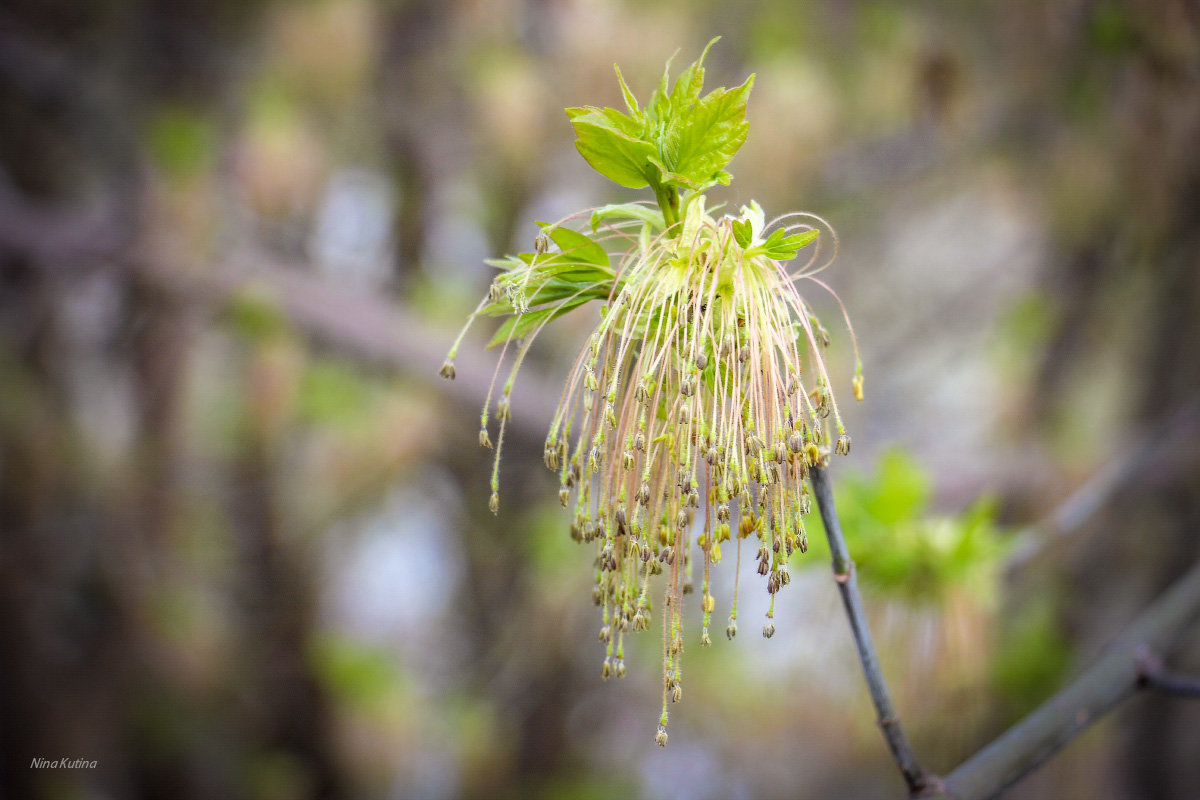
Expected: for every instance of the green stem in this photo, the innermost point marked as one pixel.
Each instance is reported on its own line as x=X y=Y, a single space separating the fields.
x=668 y=201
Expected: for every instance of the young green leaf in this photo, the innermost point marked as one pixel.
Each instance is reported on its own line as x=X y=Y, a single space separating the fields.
x=522 y=324
x=679 y=140
x=577 y=246
x=706 y=138
x=631 y=102
x=743 y=232
x=783 y=248
x=687 y=87
x=611 y=142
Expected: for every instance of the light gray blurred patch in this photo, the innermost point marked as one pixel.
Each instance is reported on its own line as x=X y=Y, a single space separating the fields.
x=457 y=243
x=351 y=242
x=397 y=573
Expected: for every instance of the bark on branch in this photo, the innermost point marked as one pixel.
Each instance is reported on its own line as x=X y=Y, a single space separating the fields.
x=918 y=781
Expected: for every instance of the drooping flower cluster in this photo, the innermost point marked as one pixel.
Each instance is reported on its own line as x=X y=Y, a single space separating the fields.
x=693 y=411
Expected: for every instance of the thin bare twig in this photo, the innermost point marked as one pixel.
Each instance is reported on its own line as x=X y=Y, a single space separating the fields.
x=919 y=781
x=1154 y=677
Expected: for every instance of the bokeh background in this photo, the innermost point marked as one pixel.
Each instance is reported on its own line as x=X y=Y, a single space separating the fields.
x=245 y=550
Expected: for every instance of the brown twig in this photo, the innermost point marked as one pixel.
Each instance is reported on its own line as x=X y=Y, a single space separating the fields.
x=918 y=781
x=1154 y=677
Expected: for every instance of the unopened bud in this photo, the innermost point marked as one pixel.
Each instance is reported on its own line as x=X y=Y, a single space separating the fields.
x=701 y=361
x=708 y=603
x=731 y=629
x=857 y=383
x=447 y=370
x=744 y=353
x=746 y=526
x=494 y=502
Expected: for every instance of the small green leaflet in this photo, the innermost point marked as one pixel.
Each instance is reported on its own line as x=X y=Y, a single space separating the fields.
x=679 y=139
x=706 y=136
x=780 y=247
x=743 y=232
x=612 y=143
x=557 y=282
x=577 y=245
x=521 y=325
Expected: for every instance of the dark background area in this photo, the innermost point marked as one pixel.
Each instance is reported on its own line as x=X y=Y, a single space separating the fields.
x=245 y=548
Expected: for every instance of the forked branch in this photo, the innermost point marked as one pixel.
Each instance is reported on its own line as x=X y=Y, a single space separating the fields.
x=1132 y=663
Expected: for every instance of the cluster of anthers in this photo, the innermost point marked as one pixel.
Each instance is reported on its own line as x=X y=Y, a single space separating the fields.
x=696 y=408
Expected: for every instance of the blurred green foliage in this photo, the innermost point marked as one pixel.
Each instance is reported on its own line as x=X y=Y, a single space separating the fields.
x=1032 y=656
x=256 y=316
x=182 y=141
x=904 y=552
x=333 y=391
x=359 y=674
